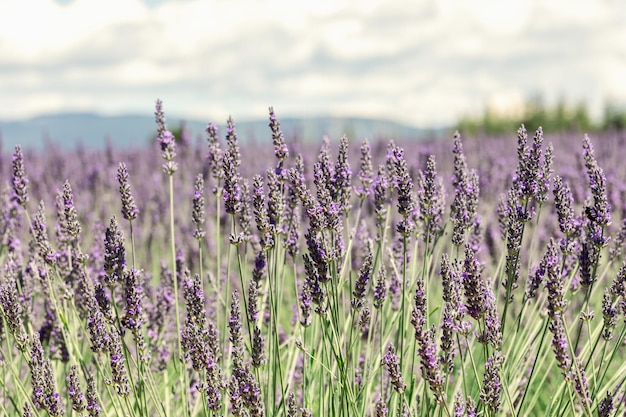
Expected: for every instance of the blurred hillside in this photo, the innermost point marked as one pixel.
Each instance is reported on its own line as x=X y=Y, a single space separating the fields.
x=93 y=131
x=561 y=117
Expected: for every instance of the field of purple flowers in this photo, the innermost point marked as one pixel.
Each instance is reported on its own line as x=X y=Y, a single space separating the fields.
x=342 y=278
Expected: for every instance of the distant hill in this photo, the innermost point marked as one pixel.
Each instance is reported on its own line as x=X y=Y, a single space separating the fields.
x=92 y=130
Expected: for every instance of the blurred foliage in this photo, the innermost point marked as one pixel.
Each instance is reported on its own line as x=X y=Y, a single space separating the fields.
x=561 y=117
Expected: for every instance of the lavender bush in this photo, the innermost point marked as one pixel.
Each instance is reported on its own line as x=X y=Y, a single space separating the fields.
x=210 y=278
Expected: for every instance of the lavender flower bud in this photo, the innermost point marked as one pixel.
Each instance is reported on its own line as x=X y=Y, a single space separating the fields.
x=431 y=199
x=134 y=316
x=381 y=408
x=305 y=301
x=74 y=391
x=12 y=310
x=390 y=360
x=98 y=332
x=236 y=339
x=41 y=235
x=292 y=410
x=69 y=224
x=609 y=314
x=166 y=140
x=342 y=176
x=403 y=182
x=380 y=291
x=360 y=288
x=554 y=280
x=381 y=195
x=93 y=405
x=258 y=348
x=280 y=149
x=231 y=162
x=473 y=284
x=43 y=381
x=543 y=185
x=563 y=201
x=260 y=212
x=606 y=407
x=118 y=364
x=599 y=214
x=215 y=155
x=276 y=201
x=366 y=171
x=492 y=388
x=20 y=181
x=464 y=206
x=27 y=410
x=236 y=402
x=129 y=209
x=197 y=214
x=114 y=253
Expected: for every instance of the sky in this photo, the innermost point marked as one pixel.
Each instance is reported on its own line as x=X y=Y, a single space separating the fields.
x=423 y=63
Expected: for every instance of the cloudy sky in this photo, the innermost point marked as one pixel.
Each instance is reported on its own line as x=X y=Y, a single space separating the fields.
x=423 y=63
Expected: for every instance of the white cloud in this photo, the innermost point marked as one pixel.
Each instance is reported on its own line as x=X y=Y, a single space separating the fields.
x=420 y=64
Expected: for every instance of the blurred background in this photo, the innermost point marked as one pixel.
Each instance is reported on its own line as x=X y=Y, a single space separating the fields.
x=88 y=71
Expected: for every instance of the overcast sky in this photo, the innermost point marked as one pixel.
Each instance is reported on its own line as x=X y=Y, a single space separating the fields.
x=423 y=63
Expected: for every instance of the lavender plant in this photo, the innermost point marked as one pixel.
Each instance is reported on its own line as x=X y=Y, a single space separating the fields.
x=340 y=294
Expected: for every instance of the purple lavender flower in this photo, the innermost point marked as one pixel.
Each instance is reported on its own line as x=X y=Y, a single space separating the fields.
x=404 y=185
x=215 y=156
x=342 y=175
x=366 y=171
x=381 y=195
x=236 y=402
x=563 y=201
x=381 y=408
x=431 y=198
x=70 y=226
x=260 y=213
x=276 y=201
x=12 y=310
x=114 y=253
x=528 y=172
x=129 y=209
x=390 y=361
x=20 y=180
x=606 y=407
x=231 y=162
x=40 y=235
x=609 y=314
x=134 y=315
x=474 y=284
x=236 y=338
x=118 y=364
x=492 y=388
x=258 y=348
x=43 y=381
x=380 y=290
x=465 y=203
x=74 y=391
x=93 y=405
x=360 y=288
x=197 y=213
x=27 y=410
x=166 y=140
x=280 y=149
x=305 y=301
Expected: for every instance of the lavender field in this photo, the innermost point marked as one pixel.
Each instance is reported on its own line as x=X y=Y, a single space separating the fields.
x=335 y=277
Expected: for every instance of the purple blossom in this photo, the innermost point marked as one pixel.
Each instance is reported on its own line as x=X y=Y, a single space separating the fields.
x=129 y=209
x=20 y=180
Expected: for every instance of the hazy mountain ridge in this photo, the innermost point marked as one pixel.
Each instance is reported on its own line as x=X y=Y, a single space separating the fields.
x=92 y=130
